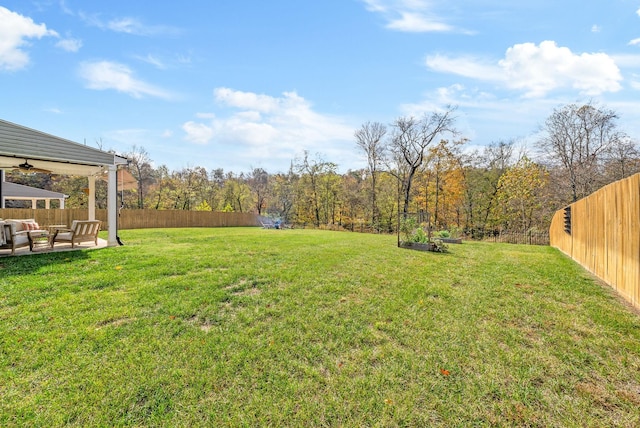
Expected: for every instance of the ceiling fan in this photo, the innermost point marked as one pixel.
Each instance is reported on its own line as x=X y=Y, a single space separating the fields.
x=27 y=167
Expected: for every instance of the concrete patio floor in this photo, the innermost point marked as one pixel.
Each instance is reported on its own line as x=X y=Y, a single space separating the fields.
x=57 y=248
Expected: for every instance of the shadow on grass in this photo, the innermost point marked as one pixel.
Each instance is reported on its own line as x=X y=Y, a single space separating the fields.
x=21 y=265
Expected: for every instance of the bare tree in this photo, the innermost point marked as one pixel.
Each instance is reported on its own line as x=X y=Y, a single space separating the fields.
x=141 y=169
x=370 y=138
x=409 y=142
x=258 y=181
x=622 y=159
x=576 y=139
x=282 y=187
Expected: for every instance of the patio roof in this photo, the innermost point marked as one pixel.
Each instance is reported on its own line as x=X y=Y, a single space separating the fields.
x=19 y=191
x=19 y=144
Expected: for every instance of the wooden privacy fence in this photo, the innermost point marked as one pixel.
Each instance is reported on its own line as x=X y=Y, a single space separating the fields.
x=136 y=219
x=602 y=233
x=143 y=219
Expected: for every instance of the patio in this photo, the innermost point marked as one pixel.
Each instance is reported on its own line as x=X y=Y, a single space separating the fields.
x=41 y=248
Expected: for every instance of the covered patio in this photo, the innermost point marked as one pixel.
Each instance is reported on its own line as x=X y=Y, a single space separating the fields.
x=28 y=150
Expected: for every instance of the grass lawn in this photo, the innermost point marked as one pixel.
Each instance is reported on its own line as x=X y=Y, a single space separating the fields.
x=254 y=327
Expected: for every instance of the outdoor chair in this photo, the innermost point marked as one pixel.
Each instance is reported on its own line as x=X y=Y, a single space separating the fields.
x=267 y=224
x=80 y=231
x=17 y=234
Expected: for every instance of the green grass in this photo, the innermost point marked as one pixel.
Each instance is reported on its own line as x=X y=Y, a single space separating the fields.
x=253 y=327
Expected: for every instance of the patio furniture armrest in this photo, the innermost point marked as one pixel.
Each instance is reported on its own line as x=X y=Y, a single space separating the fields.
x=15 y=239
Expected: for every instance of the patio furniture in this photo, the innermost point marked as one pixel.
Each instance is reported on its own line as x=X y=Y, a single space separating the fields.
x=267 y=223
x=80 y=231
x=17 y=234
x=38 y=238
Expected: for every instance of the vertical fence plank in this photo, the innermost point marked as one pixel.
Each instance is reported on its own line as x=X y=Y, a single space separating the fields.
x=605 y=236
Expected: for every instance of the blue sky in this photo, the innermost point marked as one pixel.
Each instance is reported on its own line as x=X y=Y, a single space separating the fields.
x=239 y=84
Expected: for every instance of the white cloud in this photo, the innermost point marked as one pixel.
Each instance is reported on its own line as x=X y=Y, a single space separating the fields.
x=266 y=128
x=414 y=16
x=596 y=28
x=466 y=66
x=155 y=61
x=375 y=6
x=70 y=45
x=127 y=25
x=246 y=100
x=102 y=75
x=14 y=31
x=627 y=60
x=634 y=42
x=198 y=133
x=66 y=9
x=415 y=22
x=130 y=26
x=539 y=69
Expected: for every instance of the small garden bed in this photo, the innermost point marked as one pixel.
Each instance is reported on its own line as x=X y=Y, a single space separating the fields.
x=451 y=240
x=427 y=246
x=418 y=237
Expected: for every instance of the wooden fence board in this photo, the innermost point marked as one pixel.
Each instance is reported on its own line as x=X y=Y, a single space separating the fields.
x=605 y=235
x=137 y=219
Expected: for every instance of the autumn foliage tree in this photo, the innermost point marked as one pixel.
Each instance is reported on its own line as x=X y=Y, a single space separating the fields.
x=521 y=196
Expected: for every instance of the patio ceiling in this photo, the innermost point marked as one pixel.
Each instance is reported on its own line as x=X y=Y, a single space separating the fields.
x=9 y=163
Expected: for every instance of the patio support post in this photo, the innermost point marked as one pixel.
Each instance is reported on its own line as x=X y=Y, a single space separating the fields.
x=1 y=191
x=92 y=197
x=112 y=206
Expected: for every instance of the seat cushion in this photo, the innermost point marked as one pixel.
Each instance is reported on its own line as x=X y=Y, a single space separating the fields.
x=20 y=238
x=66 y=236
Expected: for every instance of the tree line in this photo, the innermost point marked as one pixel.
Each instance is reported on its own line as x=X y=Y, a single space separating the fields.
x=414 y=165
